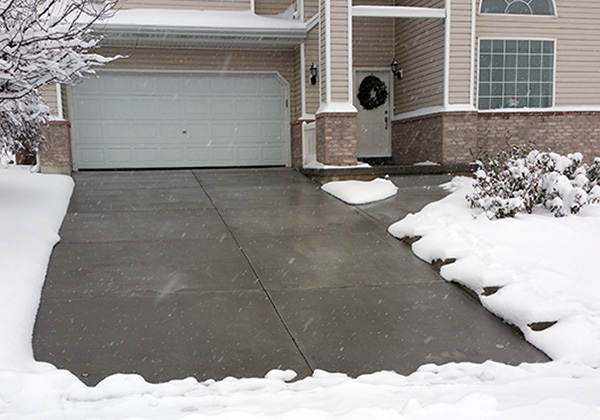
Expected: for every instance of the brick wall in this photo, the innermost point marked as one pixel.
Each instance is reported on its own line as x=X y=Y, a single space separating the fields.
x=451 y=138
x=337 y=138
x=296 y=137
x=55 y=154
x=417 y=140
x=562 y=132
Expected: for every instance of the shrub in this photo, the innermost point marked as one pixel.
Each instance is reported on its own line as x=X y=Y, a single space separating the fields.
x=522 y=178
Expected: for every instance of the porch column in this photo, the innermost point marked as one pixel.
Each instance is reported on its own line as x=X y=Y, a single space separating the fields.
x=337 y=118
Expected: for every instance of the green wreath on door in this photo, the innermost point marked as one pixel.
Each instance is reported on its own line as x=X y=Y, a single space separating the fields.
x=372 y=92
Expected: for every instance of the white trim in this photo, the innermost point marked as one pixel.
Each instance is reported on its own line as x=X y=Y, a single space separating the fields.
x=467 y=108
x=433 y=110
x=350 y=59
x=398 y=12
x=280 y=79
x=302 y=79
x=300 y=9
x=59 y=102
x=327 y=51
x=75 y=163
x=252 y=6
x=447 y=54
x=473 y=52
x=312 y=22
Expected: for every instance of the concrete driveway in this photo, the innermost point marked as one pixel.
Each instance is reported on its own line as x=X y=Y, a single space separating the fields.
x=214 y=273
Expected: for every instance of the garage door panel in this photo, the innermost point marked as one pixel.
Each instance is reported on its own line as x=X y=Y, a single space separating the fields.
x=89 y=132
x=271 y=133
x=91 y=156
x=88 y=108
x=145 y=85
x=115 y=109
x=142 y=109
x=273 y=154
x=170 y=108
x=108 y=85
x=197 y=108
x=223 y=155
x=146 y=155
x=118 y=155
x=223 y=86
x=169 y=86
x=116 y=133
x=194 y=86
x=137 y=120
x=201 y=156
x=223 y=132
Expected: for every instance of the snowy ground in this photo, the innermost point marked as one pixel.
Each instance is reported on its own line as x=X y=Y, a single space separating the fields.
x=32 y=207
x=361 y=192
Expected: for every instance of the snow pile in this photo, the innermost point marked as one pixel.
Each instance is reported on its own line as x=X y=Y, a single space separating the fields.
x=530 y=270
x=318 y=165
x=361 y=192
x=465 y=391
x=32 y=207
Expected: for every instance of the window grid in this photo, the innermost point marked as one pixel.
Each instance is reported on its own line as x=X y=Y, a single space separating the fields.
x=516 y=74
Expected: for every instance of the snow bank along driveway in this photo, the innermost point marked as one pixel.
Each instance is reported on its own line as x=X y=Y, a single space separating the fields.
x=31 y=210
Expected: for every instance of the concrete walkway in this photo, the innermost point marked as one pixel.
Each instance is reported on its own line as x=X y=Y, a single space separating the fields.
x=214 y=273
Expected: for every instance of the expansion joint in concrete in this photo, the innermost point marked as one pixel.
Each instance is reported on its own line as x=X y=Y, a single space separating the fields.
x=258 y=279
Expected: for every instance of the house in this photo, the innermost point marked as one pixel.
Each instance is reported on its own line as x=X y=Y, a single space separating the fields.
x=209 y=83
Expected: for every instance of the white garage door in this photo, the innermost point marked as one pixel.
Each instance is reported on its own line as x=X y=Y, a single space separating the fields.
x=142 y=120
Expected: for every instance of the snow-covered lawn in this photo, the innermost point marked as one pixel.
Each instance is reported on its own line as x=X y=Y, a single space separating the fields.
x=32 y=207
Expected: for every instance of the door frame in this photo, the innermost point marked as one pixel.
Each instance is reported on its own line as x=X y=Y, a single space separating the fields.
x=390 y=101
x=280 y=79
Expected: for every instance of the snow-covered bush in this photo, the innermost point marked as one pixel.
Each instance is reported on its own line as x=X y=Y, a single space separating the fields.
x=42 y=42
x=523 y=178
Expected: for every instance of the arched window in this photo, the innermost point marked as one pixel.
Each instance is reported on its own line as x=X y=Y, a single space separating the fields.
x=518 y=7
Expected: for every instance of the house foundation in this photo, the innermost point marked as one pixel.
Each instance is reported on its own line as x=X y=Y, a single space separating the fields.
x=460 y=137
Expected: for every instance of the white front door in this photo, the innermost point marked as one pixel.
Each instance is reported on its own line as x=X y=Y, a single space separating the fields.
x=375 y=125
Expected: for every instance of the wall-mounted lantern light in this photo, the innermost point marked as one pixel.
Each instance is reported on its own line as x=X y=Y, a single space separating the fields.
x=395 y=71
x=313 y=74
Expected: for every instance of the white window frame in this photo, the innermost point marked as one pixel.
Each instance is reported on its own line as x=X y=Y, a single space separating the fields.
x=554 y=15
x=509 y=109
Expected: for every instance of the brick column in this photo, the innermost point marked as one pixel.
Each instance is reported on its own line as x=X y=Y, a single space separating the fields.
x=337 y=138
x=337 y=118
x=55 y=154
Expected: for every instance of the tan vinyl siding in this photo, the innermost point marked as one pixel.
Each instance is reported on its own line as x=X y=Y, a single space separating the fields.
x=271 y=7
x=48 y=93
x=311 y=55
x=339 y=51
x=420 y=53
x=311 y=8
x=460 y=52
x=372 y=38
x=577 y=35
x=296 y=89
x=203 y=60
x=186 y=4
